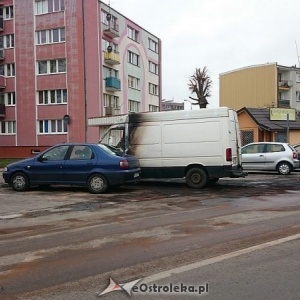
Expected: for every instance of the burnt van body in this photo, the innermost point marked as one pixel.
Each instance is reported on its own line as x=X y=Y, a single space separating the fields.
x=198 y=145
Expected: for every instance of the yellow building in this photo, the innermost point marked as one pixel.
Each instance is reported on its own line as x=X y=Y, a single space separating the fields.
x=258 y=125
x=260 y=86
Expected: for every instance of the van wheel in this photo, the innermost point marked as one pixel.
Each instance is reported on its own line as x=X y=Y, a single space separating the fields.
x=196 y=178
x=284 y=168
x=97 y=184
x=20 y=182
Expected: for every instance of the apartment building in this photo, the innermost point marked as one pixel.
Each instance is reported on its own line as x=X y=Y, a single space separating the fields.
x=172 y=105
x=66 y=62
x=267 y=85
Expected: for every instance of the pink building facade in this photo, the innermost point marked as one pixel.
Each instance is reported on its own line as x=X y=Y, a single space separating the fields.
x=66 y=62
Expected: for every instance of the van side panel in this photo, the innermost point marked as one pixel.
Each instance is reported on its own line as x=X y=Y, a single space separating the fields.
x=192 y=142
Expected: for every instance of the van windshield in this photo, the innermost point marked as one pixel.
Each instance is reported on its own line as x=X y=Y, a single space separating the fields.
x=115 y=139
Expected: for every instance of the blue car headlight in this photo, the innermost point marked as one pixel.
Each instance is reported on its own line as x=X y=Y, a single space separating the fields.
x=5 y=169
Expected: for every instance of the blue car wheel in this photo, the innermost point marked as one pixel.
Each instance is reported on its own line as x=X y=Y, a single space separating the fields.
x=20 y=182
x=97 y=184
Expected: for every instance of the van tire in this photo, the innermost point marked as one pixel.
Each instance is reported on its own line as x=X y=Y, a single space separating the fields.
x=196 y=178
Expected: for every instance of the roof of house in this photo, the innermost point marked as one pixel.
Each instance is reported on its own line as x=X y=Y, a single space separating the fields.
x=261 y=116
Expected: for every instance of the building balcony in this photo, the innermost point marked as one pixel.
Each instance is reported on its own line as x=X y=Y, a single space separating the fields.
x=283 y=103
x=112 y=84
x=111 y=58
x=2 y=110
x=285 y=84
x=111 y=30
x=2 y=82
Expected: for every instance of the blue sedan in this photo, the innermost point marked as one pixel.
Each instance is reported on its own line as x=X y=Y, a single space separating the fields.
x=96 y=166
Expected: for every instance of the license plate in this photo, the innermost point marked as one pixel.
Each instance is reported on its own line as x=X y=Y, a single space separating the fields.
x=136 y=175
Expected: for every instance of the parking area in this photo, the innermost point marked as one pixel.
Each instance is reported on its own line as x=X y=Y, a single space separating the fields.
x=57 y=200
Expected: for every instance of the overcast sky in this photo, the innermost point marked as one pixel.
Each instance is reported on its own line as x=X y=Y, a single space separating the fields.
x=222 y=35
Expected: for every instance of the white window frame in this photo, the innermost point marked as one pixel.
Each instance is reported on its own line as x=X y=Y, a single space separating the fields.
x=8 y=12
x=110 y=72
x=132 y=33
x=46 y=36
x=297 y=77
x=133 y=106
x=153 y=108
x=153 y=45
x=297 y=95
x=54 y=66
x=106 y=43
x=48 y=6
x=8 y=70
x=52 y=97
x=8 y=41
x=133 y=58
x=7 y=127
x=133 y=82
x=9 y=98
x=52 y=127
x=111 y=101
x=153 y=89
x=153 y=67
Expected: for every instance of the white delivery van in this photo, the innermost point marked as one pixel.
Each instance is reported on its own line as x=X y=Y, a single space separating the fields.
x=200 y=145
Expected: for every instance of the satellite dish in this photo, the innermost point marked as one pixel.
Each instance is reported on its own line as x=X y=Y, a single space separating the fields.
x=290 y=83
x=66 y=119
x=108 y=17
x=109 y=49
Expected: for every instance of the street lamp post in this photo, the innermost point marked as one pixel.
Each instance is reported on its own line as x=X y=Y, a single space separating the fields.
x=190 y=103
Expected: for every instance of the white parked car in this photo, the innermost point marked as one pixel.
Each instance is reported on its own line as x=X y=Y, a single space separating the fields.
x=269 y=156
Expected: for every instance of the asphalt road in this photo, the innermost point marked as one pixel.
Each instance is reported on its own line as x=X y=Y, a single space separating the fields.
x=64 y=243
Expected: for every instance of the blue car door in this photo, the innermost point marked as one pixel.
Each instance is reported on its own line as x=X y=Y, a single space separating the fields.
x=49 y=167
x=81 y=162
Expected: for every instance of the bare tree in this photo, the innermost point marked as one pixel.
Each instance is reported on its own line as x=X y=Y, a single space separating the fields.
x=200 y=84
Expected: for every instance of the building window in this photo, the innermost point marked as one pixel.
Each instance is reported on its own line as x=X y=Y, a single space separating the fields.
x=8 y=41
x=9 y=99
x=48 y=6
x=110 y=72
x=153 y=89
x=52 y=126
x=280 y=137
x=153 y=45
x=133 y=82
x=52 y=97
x=50 y=36
x=7 y=70
x=247 y=137
x=132 y=33
x=298 y=77
x=51 y=66
x=133 y=58
x=8 y=127
x=105 y=44
x=109 y=20
x=133 y=106
x=8 y=12
x=153 y=67
x=298 y=96
x=111 y=101
x=153 y=108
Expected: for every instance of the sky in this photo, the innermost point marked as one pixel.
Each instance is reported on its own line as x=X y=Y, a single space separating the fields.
x=222 y=35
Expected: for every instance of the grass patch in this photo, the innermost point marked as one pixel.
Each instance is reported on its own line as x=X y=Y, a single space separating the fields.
x=5 y=161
